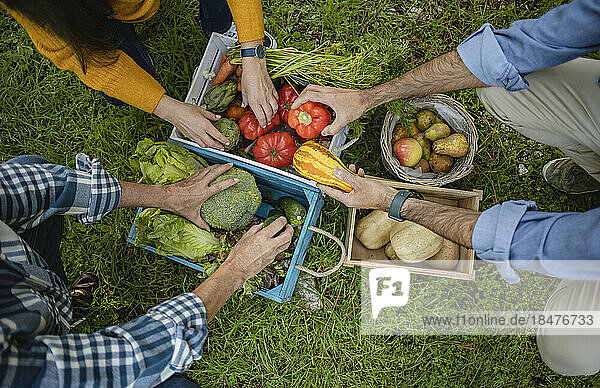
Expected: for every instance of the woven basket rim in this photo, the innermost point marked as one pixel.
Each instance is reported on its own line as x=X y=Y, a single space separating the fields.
x=462 y=166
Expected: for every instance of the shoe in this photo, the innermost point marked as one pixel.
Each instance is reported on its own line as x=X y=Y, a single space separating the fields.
x=269 y=41
x=565 y=175
x=82 y=295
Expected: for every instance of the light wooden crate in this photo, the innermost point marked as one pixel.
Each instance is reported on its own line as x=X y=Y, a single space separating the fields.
x=360 y=256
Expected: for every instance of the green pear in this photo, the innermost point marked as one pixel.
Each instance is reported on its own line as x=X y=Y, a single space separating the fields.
x=437 y=131
x=425 y=144
x=402 y=131
x=440 y=163
x=425 y=118
x=455 y=145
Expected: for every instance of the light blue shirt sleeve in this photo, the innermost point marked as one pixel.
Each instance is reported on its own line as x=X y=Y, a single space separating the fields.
x=515 y=236
x=502 y=57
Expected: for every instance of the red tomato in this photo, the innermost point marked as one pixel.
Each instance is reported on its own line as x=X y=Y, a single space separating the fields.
x=275 y=149
x=287 y=95
x=309 y=119
x=251 y=129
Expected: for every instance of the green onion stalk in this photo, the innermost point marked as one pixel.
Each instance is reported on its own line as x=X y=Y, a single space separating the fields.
x=319 y=67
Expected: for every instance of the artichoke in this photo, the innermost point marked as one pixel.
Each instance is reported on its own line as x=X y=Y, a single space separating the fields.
x=229 y=128
x=218 y=97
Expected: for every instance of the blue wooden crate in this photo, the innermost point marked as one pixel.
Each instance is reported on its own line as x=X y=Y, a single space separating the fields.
x=278 y=184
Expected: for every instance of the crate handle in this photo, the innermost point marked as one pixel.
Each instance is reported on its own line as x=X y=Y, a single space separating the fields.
x=337 y=266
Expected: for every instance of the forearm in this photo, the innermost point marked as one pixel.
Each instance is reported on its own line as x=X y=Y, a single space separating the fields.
x=251 y=44
x=166 y=108
x=142 y=195
x=442 y=74
x=218 y=288
x=454 y=223
x=253 y=64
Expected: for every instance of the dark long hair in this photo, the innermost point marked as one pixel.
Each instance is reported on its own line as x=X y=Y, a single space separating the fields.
x=85 y=25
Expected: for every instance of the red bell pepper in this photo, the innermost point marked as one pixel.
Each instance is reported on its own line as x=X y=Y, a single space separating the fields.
x=275 y=149
x=309 y=119
x=287 y=96
x=251 y=129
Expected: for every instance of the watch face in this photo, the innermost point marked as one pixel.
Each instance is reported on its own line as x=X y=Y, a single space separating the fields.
x=261 y=52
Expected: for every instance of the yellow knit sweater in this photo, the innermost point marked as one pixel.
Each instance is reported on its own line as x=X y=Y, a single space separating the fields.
x=124 y=79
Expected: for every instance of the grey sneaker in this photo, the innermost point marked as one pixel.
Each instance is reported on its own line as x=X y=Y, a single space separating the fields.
x=565 y=175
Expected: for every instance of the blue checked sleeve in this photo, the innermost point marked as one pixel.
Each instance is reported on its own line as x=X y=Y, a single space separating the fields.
x=140 y=353
x=503 y=57
x=33 y=190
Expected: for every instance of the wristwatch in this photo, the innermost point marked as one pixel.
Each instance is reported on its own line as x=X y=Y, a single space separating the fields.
x=397 y=203
x=259 y=51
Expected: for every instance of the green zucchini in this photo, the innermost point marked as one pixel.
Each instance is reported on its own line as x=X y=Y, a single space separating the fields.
x=276 y=211
x=270 y=219
x=294 y=211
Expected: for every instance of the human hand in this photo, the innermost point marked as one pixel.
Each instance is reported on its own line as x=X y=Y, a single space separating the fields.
x=347 y=104
x=366 y=193
x=185 y=198
x=258 y=247
x=192 y=121
x=258 y=90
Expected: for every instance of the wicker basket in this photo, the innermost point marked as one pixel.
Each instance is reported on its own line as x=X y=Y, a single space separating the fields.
x=455 y=115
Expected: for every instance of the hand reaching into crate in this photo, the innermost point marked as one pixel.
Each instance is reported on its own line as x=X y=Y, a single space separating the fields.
x=258 y=90
x=192 y=121
x=253 y=252
x=347 y=104
x=183 y=198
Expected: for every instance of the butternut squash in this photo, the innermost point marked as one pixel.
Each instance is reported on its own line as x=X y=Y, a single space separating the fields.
x=414 y=243
x=316 y=162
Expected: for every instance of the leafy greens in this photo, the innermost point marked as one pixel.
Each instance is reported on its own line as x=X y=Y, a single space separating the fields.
x=164 y=163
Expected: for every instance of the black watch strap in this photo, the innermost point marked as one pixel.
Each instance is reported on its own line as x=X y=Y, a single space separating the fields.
x=258 y=51
x=397 y=203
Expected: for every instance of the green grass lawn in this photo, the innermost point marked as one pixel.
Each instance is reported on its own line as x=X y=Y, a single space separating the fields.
x=254 y=341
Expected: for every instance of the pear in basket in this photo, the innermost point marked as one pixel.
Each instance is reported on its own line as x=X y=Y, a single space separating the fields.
x=425 y=119
x=440 y=163
x=455 y=145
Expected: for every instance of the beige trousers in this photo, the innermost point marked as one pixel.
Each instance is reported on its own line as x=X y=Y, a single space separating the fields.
x=561 y=108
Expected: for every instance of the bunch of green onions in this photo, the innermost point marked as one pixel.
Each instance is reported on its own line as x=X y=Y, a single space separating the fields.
x=317 y=66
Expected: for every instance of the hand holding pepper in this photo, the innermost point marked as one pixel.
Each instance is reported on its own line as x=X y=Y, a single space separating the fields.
x=347 y=104
x=309 y=119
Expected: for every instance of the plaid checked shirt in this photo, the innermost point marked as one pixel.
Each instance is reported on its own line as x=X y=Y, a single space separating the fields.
x=36 y=348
